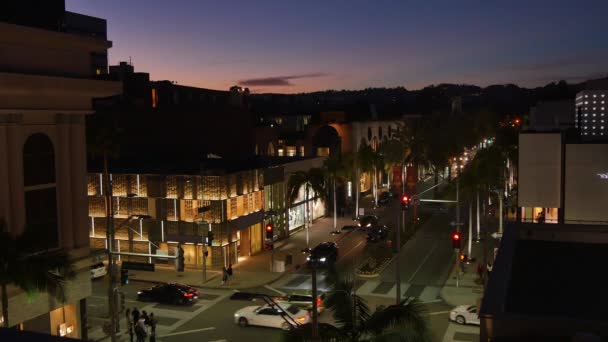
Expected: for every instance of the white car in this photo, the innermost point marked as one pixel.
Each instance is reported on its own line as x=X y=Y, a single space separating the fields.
x=98 y=270
x=465 y=314
x=270 y=316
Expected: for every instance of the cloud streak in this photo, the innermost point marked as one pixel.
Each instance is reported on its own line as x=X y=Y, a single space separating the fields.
x=279 y=81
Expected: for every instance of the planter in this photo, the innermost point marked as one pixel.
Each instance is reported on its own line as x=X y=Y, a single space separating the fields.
x=372 y=267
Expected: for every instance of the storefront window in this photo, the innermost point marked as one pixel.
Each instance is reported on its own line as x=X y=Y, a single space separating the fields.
x=296 y=216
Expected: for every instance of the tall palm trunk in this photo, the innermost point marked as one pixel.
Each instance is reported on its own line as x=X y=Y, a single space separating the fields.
x=5 y=305
x=335 y=206
x=375 y=188
x=477 y=208
x=470 y=238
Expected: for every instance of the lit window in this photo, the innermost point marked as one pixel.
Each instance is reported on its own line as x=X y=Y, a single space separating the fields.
x=594 y=114
x=602 y=127
x=594 y=95
x=586 y=102
x=602 y=108
x=586 y=95
x=586 y=114
x=594 y=102
x=154 y=98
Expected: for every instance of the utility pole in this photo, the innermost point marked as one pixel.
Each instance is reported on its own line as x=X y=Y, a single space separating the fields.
x=397 y=263
x=315 y=314
x=110 y=242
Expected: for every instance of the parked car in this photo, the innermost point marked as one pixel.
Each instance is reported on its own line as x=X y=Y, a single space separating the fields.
x=168 y=294
x=98 y=270
x=303 y=301
x=271 y=316
x=326 y=253
x=385 y=198
x=465 y=314
x=368 y=221
x=377 y=233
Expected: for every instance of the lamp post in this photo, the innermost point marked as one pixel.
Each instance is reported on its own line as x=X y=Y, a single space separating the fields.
x=202 y=210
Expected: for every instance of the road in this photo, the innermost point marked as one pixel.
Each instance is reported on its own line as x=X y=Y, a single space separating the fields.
x=425 y=263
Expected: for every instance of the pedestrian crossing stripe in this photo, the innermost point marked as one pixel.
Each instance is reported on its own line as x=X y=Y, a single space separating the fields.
x=372 y=288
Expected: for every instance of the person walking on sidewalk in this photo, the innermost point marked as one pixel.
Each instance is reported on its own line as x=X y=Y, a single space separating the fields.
x=480 y=272
x=489 y=269
x=152 y=323
x=135 y=314
x=229 y=272
x=129 y=324
x=224 y=275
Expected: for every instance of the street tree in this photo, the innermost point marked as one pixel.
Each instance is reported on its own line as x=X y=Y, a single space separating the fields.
x=312 y=180
x=31 y=267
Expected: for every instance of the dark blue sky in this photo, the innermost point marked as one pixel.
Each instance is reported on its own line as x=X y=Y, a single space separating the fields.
x=293 y=46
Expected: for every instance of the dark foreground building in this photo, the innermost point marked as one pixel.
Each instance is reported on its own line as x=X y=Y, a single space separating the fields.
x=547 y=285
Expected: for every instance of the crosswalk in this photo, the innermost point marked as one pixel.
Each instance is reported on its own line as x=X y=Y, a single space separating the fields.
x=372 y=288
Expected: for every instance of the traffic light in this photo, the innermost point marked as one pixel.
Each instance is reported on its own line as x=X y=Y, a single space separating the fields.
x=180 y=259
x=124 y=276
x=456 y=240
x=209 y=238
x=461 y=257
x=269 y=232
x=405 y=202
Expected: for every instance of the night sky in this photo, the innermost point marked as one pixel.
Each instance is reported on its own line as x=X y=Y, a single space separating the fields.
x=294 y=46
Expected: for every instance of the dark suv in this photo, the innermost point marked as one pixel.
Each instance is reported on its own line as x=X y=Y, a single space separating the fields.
x=385 y=198
x=368 y=221
x=325 y=253
x=377 y=233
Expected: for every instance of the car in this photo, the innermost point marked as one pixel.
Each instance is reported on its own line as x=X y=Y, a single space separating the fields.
x=98 y=270
x=368 y=221
x=385 y=198
x=188 y=289
x=271 y=316
x=167 y=294
x=377 y=233
x=465 y=314
x=325 y=253
x=303 y=301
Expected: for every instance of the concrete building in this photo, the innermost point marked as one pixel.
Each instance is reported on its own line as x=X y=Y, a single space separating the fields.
x=551 y=115
x=48 y=68
x=591 y=115
x=562 y=180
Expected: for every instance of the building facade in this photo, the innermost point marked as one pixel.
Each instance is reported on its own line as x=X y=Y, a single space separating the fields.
x=48 y=77
x=591 y=114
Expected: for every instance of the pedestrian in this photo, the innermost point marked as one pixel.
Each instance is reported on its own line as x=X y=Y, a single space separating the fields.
x=140 y=330
x=129 y=324
x=229 y=272
x=224 y=275
x=145 y=317
x=135 y=314
x=489 y=269
x=480 y=272
x=152 y=324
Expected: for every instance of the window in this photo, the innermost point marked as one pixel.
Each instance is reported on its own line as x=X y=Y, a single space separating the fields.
x=154 y=98
x=302 y=149
x=40 y=189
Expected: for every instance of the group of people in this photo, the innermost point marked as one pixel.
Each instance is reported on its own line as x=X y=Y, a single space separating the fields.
x=226 y=274
x=141 y=325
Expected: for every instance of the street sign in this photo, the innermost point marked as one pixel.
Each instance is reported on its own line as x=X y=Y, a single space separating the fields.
x=496 y=235
x=361 y=211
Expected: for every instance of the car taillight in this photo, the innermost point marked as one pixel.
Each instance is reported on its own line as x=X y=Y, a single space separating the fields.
x=188 y=295
x=319 y=302
x=301 y=319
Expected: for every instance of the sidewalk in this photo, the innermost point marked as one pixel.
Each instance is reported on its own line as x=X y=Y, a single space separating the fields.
x=469 y=289
x=252 y=271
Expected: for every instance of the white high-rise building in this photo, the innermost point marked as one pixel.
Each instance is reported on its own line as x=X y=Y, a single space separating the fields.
x=591 y=113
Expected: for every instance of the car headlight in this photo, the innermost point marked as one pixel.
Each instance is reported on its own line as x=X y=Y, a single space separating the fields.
x=236 y=315
x=369 y=225
x=307 y=258
x=139 y=292
x=322 y=259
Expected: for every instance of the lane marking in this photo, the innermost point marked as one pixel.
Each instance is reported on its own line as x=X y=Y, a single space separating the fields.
x=422 y=263
x=437 y=313
x=187 y=332
x=352 y=249
x=275 y=290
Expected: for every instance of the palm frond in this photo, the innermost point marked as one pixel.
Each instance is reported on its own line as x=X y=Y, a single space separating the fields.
x=407 y=314
x=294 y=183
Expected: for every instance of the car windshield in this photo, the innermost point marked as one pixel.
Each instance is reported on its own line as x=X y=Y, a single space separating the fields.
x=292 y=309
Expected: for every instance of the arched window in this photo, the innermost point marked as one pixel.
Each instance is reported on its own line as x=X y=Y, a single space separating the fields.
x=380 y=132
x=369 y=134
x=40 y=189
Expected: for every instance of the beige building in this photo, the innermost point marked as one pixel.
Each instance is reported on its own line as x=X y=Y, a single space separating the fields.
x=47 y=82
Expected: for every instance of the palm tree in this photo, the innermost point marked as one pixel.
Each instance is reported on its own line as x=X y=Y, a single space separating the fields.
x=25 y=265
x=356 y=322
x=314 y=180
x=371 y=161
x=334 y=168
x=393 y=151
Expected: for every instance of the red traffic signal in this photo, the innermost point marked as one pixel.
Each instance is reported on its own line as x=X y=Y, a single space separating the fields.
x=269 y=227
x=405 y=202
x=404 y=198
x=269 y=231
x=456 y=240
